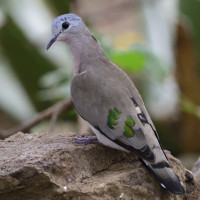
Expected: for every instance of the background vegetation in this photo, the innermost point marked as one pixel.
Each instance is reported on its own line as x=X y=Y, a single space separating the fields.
x=159 y=50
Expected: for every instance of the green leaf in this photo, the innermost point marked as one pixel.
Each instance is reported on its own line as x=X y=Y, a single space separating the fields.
x=190 y=107
x=129 y=60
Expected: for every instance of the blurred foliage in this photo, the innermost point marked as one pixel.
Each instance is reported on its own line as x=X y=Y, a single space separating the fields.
x=45 y=83
x=26 y=61
x=55 y=85
x=190 y=108
x=192 y=9
x=125 y=39
x=137 y=59
x=59 y=7
x=169 y=139
x=28 y=64
x=129 y=60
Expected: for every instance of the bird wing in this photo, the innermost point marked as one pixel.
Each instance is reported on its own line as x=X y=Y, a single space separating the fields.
x=112 y=105
x=115 y=111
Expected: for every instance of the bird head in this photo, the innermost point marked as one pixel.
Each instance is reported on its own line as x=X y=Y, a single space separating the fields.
x=65 y=26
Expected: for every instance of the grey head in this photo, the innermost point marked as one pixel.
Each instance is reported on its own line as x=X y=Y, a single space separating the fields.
x=65 y=26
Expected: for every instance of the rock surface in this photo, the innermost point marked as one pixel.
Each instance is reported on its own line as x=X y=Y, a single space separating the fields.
x=51 y=167
x=196 y=166
x=196 y=169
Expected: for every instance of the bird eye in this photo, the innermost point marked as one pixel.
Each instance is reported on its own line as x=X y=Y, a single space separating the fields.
x=65 y=25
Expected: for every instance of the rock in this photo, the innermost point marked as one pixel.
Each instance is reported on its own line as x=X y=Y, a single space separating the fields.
x=188 y=160
x=196 y=166
x=196 y=169
x=51 y=167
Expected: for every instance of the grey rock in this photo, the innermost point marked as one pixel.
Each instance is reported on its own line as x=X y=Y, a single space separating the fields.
x=196 y=166
x=46 y=166
x=196 y=169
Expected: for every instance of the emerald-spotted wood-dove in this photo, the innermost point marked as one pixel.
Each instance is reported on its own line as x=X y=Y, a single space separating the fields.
x=108 y=100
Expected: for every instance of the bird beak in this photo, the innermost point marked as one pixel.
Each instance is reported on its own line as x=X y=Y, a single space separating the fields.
x=52 y=40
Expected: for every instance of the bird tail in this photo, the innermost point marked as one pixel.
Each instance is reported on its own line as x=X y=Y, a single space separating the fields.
x=166 y=176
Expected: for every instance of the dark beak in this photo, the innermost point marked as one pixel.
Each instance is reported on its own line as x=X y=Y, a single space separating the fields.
x=53 y=39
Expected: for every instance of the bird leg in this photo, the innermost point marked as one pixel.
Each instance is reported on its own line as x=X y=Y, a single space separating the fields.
x=85 y=140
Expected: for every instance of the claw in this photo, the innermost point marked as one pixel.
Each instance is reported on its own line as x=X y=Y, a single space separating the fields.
x=85 y=140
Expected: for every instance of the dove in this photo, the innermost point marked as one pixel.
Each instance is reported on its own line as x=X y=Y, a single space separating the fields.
x=108 y=100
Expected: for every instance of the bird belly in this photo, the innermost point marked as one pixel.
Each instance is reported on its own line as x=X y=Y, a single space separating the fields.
x=105 y=141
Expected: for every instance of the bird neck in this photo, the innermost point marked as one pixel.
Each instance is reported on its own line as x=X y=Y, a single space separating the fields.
x=85 y=49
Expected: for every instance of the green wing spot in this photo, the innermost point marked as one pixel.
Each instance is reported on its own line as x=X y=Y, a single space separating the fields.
x=117 y=111
x=111 y=122
x=113 y=115
x=128 y=131
x=130 y=122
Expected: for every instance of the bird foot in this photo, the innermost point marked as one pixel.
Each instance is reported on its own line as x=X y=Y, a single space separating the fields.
x=85 y=140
